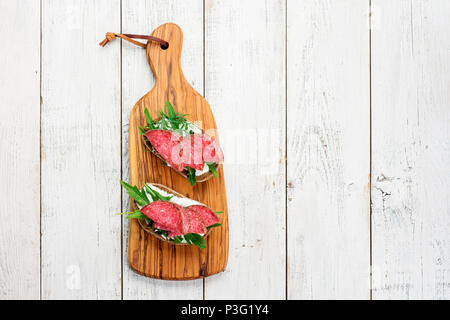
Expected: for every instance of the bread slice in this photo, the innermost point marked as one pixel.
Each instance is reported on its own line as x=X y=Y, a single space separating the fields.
x=151 y=231
x=201 y=178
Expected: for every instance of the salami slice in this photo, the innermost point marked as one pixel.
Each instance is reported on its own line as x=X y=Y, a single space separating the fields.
x=168 y=145
x=208 y=216
x=164 y=213
x=197 y=224
x=192 y=151
x=160 y=226
x=191 y=222
x=171 y=234
x=211 y=150
x=185 y=219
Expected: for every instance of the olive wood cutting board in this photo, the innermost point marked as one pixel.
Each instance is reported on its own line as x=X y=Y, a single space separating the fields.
x=148 y=255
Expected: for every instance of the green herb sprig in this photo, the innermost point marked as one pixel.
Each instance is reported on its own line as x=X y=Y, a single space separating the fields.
x=196 y=239
x=192 y=178
x=141 y=198
x=150 y=123
x=137 y=214
x=172 y=120
x=214 y=226
x=138 y=195
x=212 y=168
x=156 y=195
x=178 y=239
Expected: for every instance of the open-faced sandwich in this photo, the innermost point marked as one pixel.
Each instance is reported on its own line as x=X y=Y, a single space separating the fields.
x=170 y=216
x=182 y=145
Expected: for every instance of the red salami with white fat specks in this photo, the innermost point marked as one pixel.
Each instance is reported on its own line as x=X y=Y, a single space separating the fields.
x=165 y=214
x=178 y=220
x=192 y=151
x=159 y=226
x=168 y=145
x=185 y=221
x=197 y=224
x=211 y=150
x=191 y=222
x=208 y=216
x=171 y=234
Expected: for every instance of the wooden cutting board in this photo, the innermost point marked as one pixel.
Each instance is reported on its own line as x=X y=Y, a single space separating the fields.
x=147 y=255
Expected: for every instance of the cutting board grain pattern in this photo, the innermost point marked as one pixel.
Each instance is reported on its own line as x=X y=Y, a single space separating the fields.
x=147 y=255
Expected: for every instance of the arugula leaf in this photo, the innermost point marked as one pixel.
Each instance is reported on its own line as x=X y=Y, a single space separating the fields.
x=170 y=110
x=212 y=168
x=140 y=196
x=143 y=194
x=214 y=226
x=156 y=195
x=194 y=238
x=191 y=176
x=135 y=215
x=171 y=120
x=141 y=130
x=219 y=212
x=149 y=119
x=150 y=191
x=165 y=198
x=129 y=212
x=178 y=239
x=188 y=239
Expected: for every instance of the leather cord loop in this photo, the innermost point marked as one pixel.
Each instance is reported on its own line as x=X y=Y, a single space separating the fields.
x=110 y=36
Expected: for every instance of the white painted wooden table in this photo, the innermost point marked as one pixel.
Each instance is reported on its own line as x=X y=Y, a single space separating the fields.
x=335 y=124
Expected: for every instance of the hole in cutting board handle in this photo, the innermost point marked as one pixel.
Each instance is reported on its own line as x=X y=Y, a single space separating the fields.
x=165 y=46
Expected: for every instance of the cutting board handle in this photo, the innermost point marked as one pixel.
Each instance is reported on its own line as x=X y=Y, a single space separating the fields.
x=166 y=62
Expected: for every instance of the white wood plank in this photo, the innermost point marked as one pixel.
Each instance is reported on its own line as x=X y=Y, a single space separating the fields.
x=81 y=239
x=245 y=86
x=142 y=17
x=19 y=145
x=328 y=132
x=411 y=150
